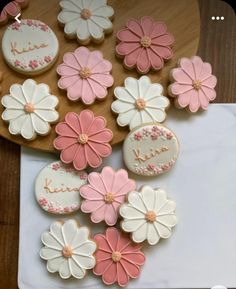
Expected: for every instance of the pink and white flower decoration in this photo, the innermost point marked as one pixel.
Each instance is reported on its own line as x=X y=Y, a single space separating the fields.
x=85 y=75
x=12 y=9
x=83 y=139
x=105 y=193
x=144 y=44
x=193 y=84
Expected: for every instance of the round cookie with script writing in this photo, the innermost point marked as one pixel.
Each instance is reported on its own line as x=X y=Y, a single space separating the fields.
x=150 y=150
x=30 y=47
x=57 y=188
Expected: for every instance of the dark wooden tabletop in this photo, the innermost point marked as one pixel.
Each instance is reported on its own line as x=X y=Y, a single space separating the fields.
x=217 y=46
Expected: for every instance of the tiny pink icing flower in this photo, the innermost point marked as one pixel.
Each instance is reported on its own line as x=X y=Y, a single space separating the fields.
x=144 y=44
x=85 y=75
x=16 y=26
x=83 y=139
x=43 y=201
x=17 y=63
x=151 y=167
x=47 y=59
x=137 y=136
x=29 y=22
x=56 y=166
x=33 y=64
x=12 y=9
x=118 y=258
x=169 y=135
x=105 y=193
x=155 y=135
x=193 y=84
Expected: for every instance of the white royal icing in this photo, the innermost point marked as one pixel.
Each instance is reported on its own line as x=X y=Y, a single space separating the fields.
x=86 y=19
x=29 y=109
x=57 y=188
x=148 y=215
x=68 y=249
x=139 y=102
x=30 y=46
x=150 y=149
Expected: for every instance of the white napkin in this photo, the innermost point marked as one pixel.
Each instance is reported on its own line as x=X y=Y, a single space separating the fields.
x=202 y=250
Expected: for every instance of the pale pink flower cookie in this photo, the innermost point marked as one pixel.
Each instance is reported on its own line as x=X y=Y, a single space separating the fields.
x=105 y=193
x=83 y=139
x=144 y=44
x=118 y=258
x=192 y=84
x=85 y=75
x=12 y=9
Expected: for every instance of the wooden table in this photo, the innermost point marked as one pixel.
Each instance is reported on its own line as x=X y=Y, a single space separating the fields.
x=217 y=46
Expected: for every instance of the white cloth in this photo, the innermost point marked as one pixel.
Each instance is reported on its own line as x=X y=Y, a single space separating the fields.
x=202 y=250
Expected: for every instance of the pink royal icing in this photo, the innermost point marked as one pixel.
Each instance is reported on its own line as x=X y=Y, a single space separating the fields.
x=85 y=75
x=117 y=258
x=193 y=84
x=145 y=44
x=105 y=193
x=12 y=9
x=83 y=139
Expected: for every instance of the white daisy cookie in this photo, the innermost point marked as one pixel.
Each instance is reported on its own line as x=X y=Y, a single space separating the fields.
x=86 y=20
x=29 y=109
x=139 y=102
x=68 y=249
x=148 y=215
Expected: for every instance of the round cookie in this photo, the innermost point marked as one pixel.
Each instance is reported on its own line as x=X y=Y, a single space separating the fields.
x=150 y=150
x=30 y=109
x=148 y=215
x=30 y=47
x=57 y=188
x=86 y=20
x=68 y=249
x=144 y=44
x=12 y=9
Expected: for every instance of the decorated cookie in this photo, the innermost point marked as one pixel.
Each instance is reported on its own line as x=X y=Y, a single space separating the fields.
x=83 y=139
x=105 y=193
x=30 y=47
x=86 y=20
x=1 y=77
x=68 y=249
x=148 y=215
x=57 y=188
x=139 y=102
x=144 y=44
x=192 y=84
x=85 y=75
x=150 y=150
x=29 y=109
x=12 y=9
x=118 y=259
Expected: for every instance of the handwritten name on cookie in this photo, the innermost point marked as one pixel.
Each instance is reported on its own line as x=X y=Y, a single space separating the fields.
x=63 y=189
x=29 y=48
x=153 y=153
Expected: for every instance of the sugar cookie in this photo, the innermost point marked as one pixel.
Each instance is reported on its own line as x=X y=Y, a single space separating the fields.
x=139 y=102
x=57 y=188
x=12 y=9
x=86 y=20
x=68 y=249
x=192 y=84
x=104 y=194
x=30 y=47
x=29 y=109
x=148 y=215
x=119 y=259
x=151 y=149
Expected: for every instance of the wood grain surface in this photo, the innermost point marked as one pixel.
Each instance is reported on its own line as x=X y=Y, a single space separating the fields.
x=217 y=45
x=185 y=29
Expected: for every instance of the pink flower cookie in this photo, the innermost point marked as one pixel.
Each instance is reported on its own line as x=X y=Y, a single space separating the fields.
x=83 y=139
x=144 y=44
x=117 y=258
x=85 y=75
x=12 y=9
x=192 y=84
x=105 y=193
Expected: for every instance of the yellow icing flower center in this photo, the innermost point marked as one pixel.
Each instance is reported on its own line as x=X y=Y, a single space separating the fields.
x=85 y=14
x=29 y=107
x=83 y=138
x=197 y=84
x=109 y=198
x=67 y=252
x=150 y=216
x=116 y=256
x=84 y=72
x=140 y=104
x=145 y=41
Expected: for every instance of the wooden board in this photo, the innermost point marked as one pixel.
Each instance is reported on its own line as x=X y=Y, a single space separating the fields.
x=183 y=21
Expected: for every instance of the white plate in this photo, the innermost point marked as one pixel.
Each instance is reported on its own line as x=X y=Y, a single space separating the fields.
x=202 y=249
